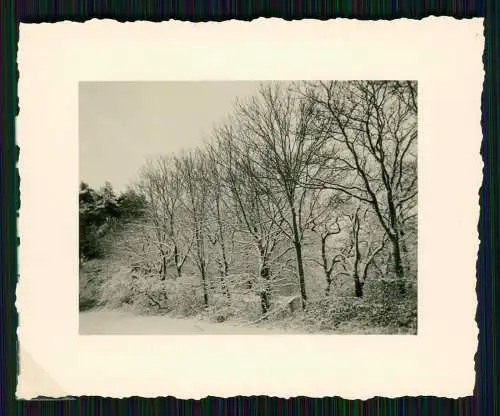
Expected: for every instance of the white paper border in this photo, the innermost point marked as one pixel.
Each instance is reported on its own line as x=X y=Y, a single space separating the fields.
x=443 y=54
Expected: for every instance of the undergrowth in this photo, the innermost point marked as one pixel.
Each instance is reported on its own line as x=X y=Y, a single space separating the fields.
x=382 y=310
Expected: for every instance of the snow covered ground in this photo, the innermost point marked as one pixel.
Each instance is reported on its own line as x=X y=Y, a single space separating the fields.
x=107 y=322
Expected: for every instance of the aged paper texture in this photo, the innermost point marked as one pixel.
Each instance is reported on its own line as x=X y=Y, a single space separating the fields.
x=443 y=54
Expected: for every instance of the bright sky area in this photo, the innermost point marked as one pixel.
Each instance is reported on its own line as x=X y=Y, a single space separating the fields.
x=121 y=124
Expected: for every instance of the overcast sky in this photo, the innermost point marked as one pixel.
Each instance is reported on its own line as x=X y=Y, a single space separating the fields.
x=124 y=123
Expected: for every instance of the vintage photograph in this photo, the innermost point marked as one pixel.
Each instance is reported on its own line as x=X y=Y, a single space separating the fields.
x=248 y=207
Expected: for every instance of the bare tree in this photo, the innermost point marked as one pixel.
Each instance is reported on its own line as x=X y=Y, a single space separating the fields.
x=256 y=213
x=362 y=249
x=283 y=139
x=195 y=201
x=373 y=131
x=150 y=187
x=162 y=186
x=326 y=230
x=218 y=207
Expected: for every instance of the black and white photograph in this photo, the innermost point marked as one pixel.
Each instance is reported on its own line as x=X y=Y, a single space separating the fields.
x=246 y=207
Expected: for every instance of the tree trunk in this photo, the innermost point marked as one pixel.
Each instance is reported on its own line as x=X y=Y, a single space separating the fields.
x=224 y=287
x=225 y=272
x=404 y=250
x=225 y=269
x=358 y=286
x=201 y=261
x=177 y=262
x=298 y=254
x=300 y=270
x=264 y=275
x=328 y=272
x=222 y=261
x=328 y=285
x=163 y=267
x=396 y=246
x=264 y=301
x=398 y=263
x=204 y=281
x=222 y=243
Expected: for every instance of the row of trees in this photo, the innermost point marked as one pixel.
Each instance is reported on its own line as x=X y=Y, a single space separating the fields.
x=321 y=173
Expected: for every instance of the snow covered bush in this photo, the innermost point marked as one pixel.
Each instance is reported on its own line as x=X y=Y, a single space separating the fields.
x=117 y=288
x=184 y=296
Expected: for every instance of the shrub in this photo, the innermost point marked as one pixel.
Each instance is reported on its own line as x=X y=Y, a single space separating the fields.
x=385 y=290
x=118 y=289
x=149 y=294
x=240 y=306
x=184 y=296
x=328 y=313
x=388 y=307
x=391 y=314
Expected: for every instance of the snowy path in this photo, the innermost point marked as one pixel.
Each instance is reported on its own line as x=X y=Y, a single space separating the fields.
x=105 y=322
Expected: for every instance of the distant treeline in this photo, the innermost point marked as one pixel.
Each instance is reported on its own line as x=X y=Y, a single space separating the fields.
x=101 y=211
